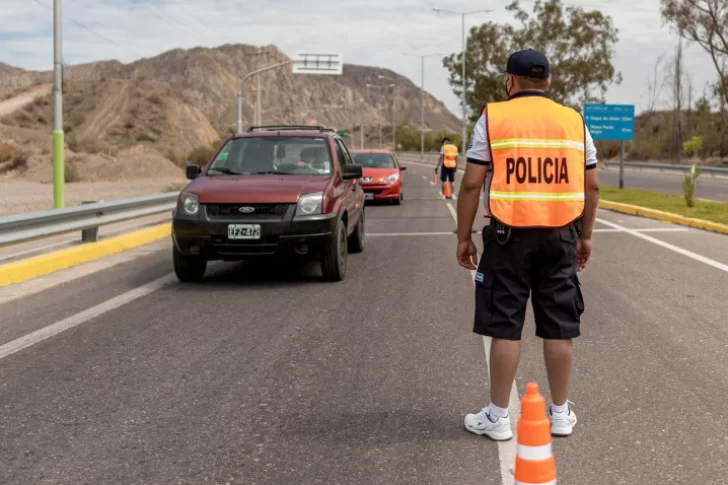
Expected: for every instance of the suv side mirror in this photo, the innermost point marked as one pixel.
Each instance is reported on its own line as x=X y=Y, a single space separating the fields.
x=351 y=171
x=193 y=171
x=403 y=167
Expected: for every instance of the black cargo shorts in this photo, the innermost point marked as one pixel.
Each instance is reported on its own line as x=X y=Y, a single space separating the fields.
x=540 y=263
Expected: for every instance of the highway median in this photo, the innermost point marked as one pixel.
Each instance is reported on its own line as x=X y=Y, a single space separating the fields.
x=705 y=214
x=34 y=267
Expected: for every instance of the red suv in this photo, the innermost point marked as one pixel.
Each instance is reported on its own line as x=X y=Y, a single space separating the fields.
x=274 y=191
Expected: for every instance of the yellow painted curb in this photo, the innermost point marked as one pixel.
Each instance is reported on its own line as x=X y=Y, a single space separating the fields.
x=636 y=210
x=48 y=263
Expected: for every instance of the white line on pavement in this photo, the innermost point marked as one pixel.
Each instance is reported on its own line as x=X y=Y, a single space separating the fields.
x=82 y=317
x=506 y=449
x=451 y=233
x=666 y=245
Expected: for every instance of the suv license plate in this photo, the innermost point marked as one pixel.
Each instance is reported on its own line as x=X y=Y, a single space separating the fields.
x=368 y=196
x=244 y=231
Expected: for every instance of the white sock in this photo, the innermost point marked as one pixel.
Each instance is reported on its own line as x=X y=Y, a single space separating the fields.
x=496 y=413
x=564 y=408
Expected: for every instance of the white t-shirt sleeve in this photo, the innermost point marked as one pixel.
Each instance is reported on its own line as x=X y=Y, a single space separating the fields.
x=590 y=149
x=479 y=149
x=442 y=151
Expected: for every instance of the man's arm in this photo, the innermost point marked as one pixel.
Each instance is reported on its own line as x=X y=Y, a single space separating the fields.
x=469 y=198
x=591 y=185
x=476 y=170
x=591 y=204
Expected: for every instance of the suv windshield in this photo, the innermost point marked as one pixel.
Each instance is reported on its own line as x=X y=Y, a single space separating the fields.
x=374 y=160
x=273 y=155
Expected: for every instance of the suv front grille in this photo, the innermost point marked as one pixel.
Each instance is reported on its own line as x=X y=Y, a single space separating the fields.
x=232 y=211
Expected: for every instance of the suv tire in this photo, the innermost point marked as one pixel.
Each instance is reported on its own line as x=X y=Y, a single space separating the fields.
x=334 y=258
x=188 y=269
x=356 y=240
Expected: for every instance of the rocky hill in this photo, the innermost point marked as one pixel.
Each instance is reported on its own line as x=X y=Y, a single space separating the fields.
x=185 y=99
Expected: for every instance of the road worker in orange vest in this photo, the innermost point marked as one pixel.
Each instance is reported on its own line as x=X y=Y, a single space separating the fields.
x=542 y=198
x=449 y=162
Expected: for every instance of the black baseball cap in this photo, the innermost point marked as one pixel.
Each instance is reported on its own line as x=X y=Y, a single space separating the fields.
x=528 y=63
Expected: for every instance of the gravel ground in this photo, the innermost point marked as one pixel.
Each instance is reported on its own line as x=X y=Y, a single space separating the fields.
x=18 y=197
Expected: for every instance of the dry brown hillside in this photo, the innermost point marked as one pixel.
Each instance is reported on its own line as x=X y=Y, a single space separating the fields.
x=208 y=77
x=176 y=105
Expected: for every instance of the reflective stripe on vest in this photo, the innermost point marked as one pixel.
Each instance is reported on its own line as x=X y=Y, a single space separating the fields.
x=450 y=156
x=537 y=146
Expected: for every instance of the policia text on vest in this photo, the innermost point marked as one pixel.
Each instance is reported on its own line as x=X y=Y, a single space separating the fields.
x=548 y=170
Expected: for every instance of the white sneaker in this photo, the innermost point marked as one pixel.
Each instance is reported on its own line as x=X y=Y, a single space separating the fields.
x=562 y=424
x=480 y=424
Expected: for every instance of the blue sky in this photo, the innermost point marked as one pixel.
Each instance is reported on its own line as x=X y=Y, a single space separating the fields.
x=371 y=32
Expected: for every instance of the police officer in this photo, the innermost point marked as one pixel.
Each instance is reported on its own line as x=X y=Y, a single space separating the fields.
x=543 y=185
x=449 y=161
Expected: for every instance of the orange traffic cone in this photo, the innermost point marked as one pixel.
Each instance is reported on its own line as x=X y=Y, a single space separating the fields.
x=447 y=190
x=535 y=464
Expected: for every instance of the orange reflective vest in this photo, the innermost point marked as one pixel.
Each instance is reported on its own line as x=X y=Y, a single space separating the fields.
x=450 y=157
x=538 y=161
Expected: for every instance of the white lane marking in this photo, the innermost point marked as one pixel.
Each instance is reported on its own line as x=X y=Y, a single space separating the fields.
x=385 y=234
x=82 y=317
x=506 y=449
x=432 y=183
x=424 y=177
x=444 y=233
x=666 y=245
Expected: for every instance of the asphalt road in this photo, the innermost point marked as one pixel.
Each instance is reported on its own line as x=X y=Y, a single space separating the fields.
x=273 y=377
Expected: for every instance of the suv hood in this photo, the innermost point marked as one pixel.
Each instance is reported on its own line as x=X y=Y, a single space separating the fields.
x=226 y=189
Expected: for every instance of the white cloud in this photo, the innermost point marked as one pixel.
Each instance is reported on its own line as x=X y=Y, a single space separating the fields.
x=375 y=32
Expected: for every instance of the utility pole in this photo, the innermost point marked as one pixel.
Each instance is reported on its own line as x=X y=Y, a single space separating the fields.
x=58 y=145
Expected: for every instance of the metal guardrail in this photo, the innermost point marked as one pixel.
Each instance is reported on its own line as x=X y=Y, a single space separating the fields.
x=431 y=157
x=38 y=225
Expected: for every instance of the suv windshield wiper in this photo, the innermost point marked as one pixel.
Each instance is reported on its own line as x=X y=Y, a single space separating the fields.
x=268 y=172
x=224 y=170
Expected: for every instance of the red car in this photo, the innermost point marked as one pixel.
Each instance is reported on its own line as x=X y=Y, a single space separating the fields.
x=382 y=175
x=274 y=191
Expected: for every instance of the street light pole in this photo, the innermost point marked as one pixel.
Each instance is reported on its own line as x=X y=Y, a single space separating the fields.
x=394 y=116
x=240 y=89
x=58 y=166
x=422 y=103
x=464 y=129
x=464 y=81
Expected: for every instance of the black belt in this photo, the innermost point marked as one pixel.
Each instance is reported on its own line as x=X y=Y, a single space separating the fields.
x=503 y=232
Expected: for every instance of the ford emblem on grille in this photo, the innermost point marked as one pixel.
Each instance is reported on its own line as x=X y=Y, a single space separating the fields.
x=367 y=179
x=246 y=209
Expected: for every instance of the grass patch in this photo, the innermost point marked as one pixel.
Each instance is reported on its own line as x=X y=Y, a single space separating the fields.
x=704 y=210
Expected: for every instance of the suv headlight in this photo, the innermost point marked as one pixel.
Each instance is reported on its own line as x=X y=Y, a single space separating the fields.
x=189 y=203
x=310 y=204
x=391 y=179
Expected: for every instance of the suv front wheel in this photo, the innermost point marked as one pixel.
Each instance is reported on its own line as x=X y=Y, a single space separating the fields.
x=334 y=258
x=188 y=268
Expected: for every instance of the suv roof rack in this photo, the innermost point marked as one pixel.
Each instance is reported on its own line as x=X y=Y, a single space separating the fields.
x=289 y=128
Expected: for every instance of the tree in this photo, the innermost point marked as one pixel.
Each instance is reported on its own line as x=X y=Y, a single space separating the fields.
x=704 y=22
x=578 y=43
x=655 y=85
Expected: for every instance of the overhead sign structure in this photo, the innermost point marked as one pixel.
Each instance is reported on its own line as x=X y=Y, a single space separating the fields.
x=610 y=121
x=318 y=63
x=613 y=122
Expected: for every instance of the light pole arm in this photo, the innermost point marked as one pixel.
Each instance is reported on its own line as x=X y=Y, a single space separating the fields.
x=240 y=89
